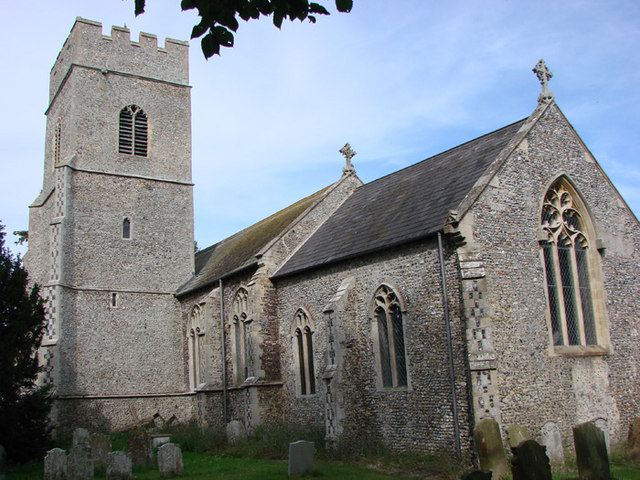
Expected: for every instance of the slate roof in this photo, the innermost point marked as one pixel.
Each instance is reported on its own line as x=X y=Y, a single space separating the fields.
x=239 y=251
x=404 y=206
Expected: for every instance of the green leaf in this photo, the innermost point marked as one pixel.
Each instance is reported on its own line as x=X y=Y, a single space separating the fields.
x=223 y=36
x=139 y=7
x=210 y=46
x=187 y=5
x=317 y=8
x=229 y=21
x=277 y=19
x=344 y=5
x=312 y=19
x=199 y=30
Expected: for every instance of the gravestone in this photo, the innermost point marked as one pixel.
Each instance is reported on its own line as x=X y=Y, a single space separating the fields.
x=235 y=432
x=633 y=441
x=477 y=475
x=603 y=425
x=300 y=457
x=591 y=452
x=3 y=463
x=486 y=435
x=118 y=466
x=158 y=439
x=139 y=448
x=79 y=463
x=170 y=460
x=80 y=436
x=516 y=435
x=100 y=447
x=530 y=462
x=553 y=441
x=55 y=465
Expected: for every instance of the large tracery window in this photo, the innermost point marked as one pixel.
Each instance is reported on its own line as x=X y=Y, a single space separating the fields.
x=195 y=337
x=570 y=265
x=303 y=346
x=390 y=338
x=132 y=137
x=240 y=330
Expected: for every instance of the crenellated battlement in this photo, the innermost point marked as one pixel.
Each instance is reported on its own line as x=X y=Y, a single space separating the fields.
x=86 y=46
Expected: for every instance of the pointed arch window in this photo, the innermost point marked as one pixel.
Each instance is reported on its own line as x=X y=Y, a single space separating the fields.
x=133 y=130
x=388 y=322
x=240 y=332
x=570 y=267
x=303 y=348
x=195 y=338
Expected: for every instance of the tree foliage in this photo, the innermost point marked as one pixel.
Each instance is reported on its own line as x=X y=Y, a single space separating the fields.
x=220 y=17
x=24 y=406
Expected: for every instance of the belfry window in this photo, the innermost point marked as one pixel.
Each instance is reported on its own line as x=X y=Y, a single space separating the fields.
x=390 y=338
x=133 y=130
x=195 y=337
x=570 y=263
x=303 y=347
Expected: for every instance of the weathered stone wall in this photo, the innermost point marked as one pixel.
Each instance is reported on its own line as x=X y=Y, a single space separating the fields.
x=418 y=417
x=535 y=383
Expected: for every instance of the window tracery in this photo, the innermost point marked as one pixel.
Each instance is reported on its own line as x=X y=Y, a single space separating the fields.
x=390 y=338
x=133 y=131
x=569 y=265
x=303 y=346
x=195 y=335
x=240 y=328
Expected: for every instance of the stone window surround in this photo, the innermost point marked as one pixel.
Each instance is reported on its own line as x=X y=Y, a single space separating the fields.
x=302 y=330
x=595 y=278
x=195 y=340
x=375 y=336
x=133 y=140
x=240 y=321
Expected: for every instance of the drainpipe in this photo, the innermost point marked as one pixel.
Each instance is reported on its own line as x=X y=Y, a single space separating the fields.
x=445 y=303
x=224 y=355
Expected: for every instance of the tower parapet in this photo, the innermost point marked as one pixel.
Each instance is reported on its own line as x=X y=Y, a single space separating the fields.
x=86 y=46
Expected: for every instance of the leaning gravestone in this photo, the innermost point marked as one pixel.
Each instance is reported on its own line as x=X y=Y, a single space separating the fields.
x=79 y=463
x=633 y=440
x=603 y=425
x=486 y=435
x=553 y=441
x=300 y=457
x=55 y=465
x=170 y=460
x=516 y=435
x=3 y=463
x=476 y=475
x=118 y=466
x=100 y=447
x=139 y=448
x=530 y=462
x=591 y=452
x=235 y=432
x=80 y=436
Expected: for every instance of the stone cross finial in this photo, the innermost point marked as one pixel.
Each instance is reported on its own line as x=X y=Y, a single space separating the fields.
x=544 y=75
x=348 y=154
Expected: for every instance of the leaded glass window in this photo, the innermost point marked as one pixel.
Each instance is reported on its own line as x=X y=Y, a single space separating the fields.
x=390 y=338
x=303 y=341
x=240 y=330
x=566 y=250
x=195 y=337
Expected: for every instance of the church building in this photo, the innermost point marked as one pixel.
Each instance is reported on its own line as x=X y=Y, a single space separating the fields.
x=498 y=279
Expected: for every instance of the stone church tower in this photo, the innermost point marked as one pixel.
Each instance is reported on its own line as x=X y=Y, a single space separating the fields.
x=111 y=233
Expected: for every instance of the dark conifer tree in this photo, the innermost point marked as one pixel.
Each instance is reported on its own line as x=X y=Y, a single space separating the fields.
x=24 y=406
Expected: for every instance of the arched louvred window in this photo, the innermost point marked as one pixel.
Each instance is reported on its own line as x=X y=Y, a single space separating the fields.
x=133 y=131
x=303 y=340
x=390 y=338
x=568 y=260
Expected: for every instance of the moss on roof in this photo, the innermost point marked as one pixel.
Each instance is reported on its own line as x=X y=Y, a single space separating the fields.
x=239 y=251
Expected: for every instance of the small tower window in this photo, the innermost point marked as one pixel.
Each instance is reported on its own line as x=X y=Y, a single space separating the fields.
x=126 y=228
x=132 y=137
x=114 y=299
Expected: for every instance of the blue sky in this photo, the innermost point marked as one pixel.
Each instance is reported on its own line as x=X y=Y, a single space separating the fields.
x=401 y=81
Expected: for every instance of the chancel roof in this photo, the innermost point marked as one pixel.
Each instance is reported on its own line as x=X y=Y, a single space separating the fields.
x=239 y=251
x=405 y=206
